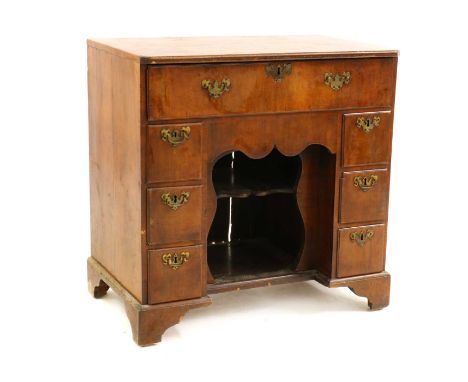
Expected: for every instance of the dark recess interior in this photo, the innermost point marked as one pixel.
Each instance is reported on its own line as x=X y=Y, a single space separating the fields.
x=257 y=230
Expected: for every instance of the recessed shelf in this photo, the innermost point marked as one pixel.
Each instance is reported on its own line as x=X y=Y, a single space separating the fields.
x=238 y=176
x=230 y=183
x=248 y=259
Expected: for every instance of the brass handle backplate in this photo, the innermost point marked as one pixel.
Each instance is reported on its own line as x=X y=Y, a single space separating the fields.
x=367 y=124
x=175 y=201
x=360 y=238
x=175 y=260
x=365 y=183
x=175 y=137
x=216 y=88
x=337 y=80
x=279 y=71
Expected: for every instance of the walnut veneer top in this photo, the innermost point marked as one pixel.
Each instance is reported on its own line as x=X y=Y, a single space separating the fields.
x=229 y=49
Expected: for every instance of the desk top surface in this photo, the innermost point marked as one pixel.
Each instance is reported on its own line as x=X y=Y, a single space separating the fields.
x=231 y=49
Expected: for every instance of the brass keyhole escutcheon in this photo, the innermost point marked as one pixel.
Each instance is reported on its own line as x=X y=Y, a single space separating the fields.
x=367 y=124
x=175 y=260
x=176 y=136
x=175 y=201
x=365 y=183
x=337 y=80
x=278 y=71
x=361 y=238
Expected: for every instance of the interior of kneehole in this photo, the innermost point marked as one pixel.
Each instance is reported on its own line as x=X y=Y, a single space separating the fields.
x=258 y=230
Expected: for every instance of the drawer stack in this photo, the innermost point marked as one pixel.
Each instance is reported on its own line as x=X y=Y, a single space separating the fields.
x=364 y=191
x=174 y=212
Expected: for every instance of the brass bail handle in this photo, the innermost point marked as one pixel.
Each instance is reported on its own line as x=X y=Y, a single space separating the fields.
x=368 y=124
x=176 y=136
x=365 y=183
x=337 y=80
x=174 y=201
x=216 y=88
x=175 y=260
x=361 y=238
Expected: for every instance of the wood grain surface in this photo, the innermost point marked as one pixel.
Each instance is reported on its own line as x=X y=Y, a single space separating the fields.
x=219 y=49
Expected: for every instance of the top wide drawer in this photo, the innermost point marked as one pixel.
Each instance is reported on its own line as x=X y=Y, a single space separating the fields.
x=188 y=91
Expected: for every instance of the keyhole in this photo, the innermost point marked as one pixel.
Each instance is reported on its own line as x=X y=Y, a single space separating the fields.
x=279 y=70
x=368 y=122
x=175 y=258
x=174 y=198
x=362 y=236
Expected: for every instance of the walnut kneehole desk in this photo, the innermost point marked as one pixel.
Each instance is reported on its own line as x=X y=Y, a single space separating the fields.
x=226 y=163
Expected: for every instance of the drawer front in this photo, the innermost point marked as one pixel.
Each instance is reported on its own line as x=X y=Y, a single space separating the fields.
x=364 y=196
x=361 y=250
x=176 y=91
x=174 y=153
x=367 y=138
x=174 y=215
x=175 y=274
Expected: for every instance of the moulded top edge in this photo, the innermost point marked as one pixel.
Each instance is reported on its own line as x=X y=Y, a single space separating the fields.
x=232 y=49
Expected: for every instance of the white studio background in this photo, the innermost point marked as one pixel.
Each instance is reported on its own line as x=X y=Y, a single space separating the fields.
x=51 y=329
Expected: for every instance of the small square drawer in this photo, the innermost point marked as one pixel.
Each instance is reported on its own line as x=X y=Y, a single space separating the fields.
x=175 y=274
x=174 y=215
x=367 y=138
x=364 y=196
x=174 y=153
x=361 y=250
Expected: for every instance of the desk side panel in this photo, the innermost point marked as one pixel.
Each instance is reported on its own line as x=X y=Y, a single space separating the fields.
x=115 y=167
